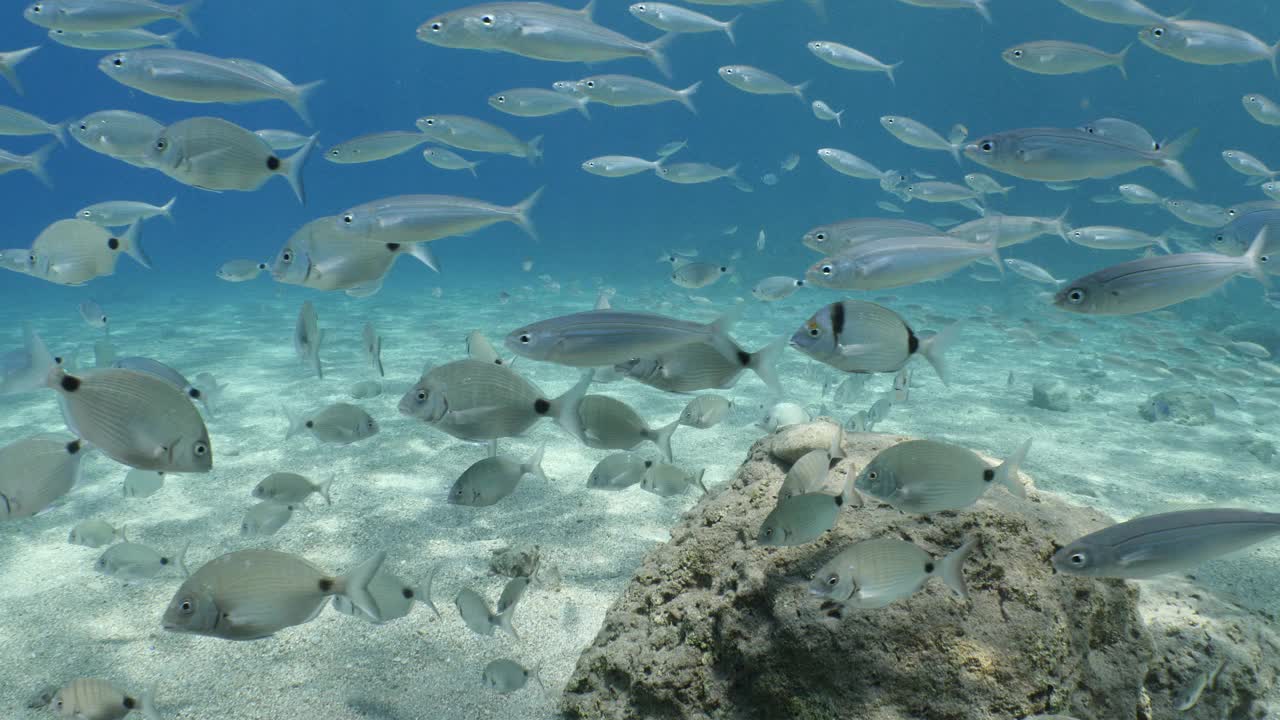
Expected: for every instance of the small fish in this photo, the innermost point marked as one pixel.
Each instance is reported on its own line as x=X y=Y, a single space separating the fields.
x=9 y=65
x=759 y=82
x=308 y=337
x=1262 y=108
x=618 y=472
x=1197 y=213
x=251 y=594
x=628 y=91
x=507 y=676
x=918 y=135
x=95 y=699
x=373 y=348
x=1032 y=272
x=423 y=218
x=393 y=597
x=265 y=519
x=799 y=519
x=599 y=338
x=985 y=184
x=466 y=133
x=863 y=337
x=783 y=414
x=888 y=206
x=121 y=134
x=95 y=533
x=95 y=16
x=338 y=424
x=130 y=561
x=846 y=163
x=93 y=315
x=36 y=472
x=760 y=240
x=290 y=488
x=475 y=612
x=696 y=275
x=446 y=159
x=1206 y=43
x=17 y=122
x=876 y=573
x=671 y=148
x=143 y=483
x=978 y=6
x=130 y=39
x=1120 y=12
x=240 y=270
x=823 y=111
x=673 y=18
x=898 y=262
x=124 y=213
x=702 y=366
x=696 y=173
x=1104 y=237
x=936 y=191
x=489 y=480
x=778 y=287
x=706 y=411
x=790 y=162
x=479 y=348
x=214 y=154
x=808 y=475
x=1139 y=195
x=1178 y=541
x=616 y=166
x=836 y=238
x=924 y=476
x=847 y=58
x=33 y=163
x=323 y=256
x=1246 y=164
x=374 y=147
x=1069 y=154
x=610 y=424
x=668 y=480
x=1059 y=57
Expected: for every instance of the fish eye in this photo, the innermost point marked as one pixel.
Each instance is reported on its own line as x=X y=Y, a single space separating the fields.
x=1075 y=296
x=1157 y=31
x=487 y=19
x=1078 y=559
x=525 y=339
x=429 y=121
x=161 y=144
x=873 y=475
x=200 y=449
x=84 y=126
x=422 y=396
x=814 y=332
x=820 y=237
x=36 y=8
x=118 y=61
x=987 y=146
x=85 y=213
x=436 y=27
x=501 y=98
x=187 y=607
x=335 y=152
x=348 y=218
x=768 y=532
x=833 y=580
x=826 y=269
x=1219 y=238
x=1017 y=53
x=590 y=83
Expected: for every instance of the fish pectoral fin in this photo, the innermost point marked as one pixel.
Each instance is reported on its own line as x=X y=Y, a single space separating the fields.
x=1135 y=557
x=147 y=440
x=473 y=415
x=852 y=351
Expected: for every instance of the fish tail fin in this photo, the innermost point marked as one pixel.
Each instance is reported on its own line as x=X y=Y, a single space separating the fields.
x=764 y=363
x=1169 y=154
x=354 y=586
x=9 y=69
x=521 y=212
x=656 y=51
x=732 y=172
x=1120 y=58
x=533 y=150
x=291 y=168
x=506 y=617
x=296 y=423
x=169 y=39
x=662 y=438
x=423 y=254
x=1060 y=223
x=131 y=244
x=565 y=408
x=472 y=168
x=719 y=331
x=839 y=122
x=59 y=132
x=36 y=161
x=993 y=252
x=182 y=559
x=1007 y=471
x=981 y=7
x=297 y=99
x=729 y=27
x=951 y=569
x=686 y=96
x=533 y=465
x=934 y=350
x=588 y=10
x=425 y=591
x=697 y=479
x=889 y=69
x=324 y=489
x=167 y=209
x=800 y=88
x=1163 y=241
x=183 y=16
x=1258 y=259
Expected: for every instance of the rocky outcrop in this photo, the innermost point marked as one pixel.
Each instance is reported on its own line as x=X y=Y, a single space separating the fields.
x=1051 y=395
x=715 y=626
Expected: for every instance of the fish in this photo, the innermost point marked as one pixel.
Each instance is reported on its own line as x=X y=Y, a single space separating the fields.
x=477 y=616
x=16 y=122
x=373 y=348
x=240 y=270
x=9 y=65
x=265 y=519
x=129 y=39
x=783 y=414
x=862 y=337
x=705 y=411
x=1032 y=272
x=799 y=519
x=214 y=154
x=671 y=148
x=1105 y=237
x=33 y=163
x=847 y=58
x=1170 y=542
x=97 y=699
x=446 y=159
x=1066 y=154
x=466 y=133
x=835 y=238
x=337 y=424
x=616 y=166
x=134 y=418
x=666 y=480
x=98 y=15
x=846 y=163
x=539 y=102
x=597 y=338
x=36 y=472
x=374 y=147
x=790 y=162
x=479 y=348
x=898 y=262
x=130 y=561
x=252 y=594
x=978 y=6
x=925 y=476
x=487 y=481
x=1197 y=213
x=1247 y=219
x=876 y=573
x=693 y=173
x=157 y=369
x=480 y=401
x=143 y=483
x=937 y=191
x=1152 y=283
x=1246 y=164
x=675 y=19
x=808 y=475
x=282 y=139
x=308 y=337
x=322 y=256
x=95 y=533
x=1120 y=12
x=198 y=78
x=701 y=366
x=985 y=184
x=1010 y=230
x=93 y=315
x=120 y=134
x=422 y=218
x=628 y=91
x=760 y=82
x=618 y=471
x=290 y=488
x=394 y=598
x=123 y=213
x=1261 y=108
x=1059 y=57
x=918 y=135
x=1139 y=195
x=1206 y=43
x=73 y=252
x=507 y=676
x=607 y=423
x=696 y=275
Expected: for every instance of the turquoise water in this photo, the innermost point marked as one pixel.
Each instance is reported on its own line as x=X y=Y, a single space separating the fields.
x=63 y=620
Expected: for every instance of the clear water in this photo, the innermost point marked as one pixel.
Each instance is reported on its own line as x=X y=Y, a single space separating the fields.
x=62 y=620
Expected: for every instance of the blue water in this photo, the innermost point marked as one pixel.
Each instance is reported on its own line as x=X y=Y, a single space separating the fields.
x=595 y=232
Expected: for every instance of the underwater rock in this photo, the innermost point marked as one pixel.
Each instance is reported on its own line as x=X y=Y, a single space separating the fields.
x=515 y=561
x=1051 y=395
x=716 y=627
x=789 y=443
x=1182 y=407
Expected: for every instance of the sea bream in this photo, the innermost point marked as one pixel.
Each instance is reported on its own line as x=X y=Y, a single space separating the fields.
x=73 y=252
x=119 y=134
x=409 y=219
x=35 y=472
x=214 y=154
x=1067 y=154
x=875 y=573
x=862 y=337
x=323 y=256
x=702 y=366
x=597 y=338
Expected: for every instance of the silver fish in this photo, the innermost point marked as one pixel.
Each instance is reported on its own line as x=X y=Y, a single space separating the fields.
x=1246 y=164
x=985 y=184
x=374 y=147
x=1104 y=237
x=308 y=337
x=506 y=676
x=97 y=15
x=1059 y=57
x=696 y=173
x=446 y=159
x=1032 y=272
x=1247 y=220
x=1010 y=230
x=923 y=476
x=479 y=348
x=618 y=472
x=512 y=593
x=917 y=134
x=538 y=102
x=1169 y=542
x=135 y=419
x=240 y=270
x=121 y=134
x=760 y=82
x=835 y=238
x=616 y=166
x=466 y=133
x=668 y=480
x=673 y=18
x=475 y=612
x=1206 y=43
x=253 y=594
x=799 y=519
x=701 y=366
x=95 y=533
x=373 y=348
x=847 y=58
x=16 y=122
x=265 y=519
x=73 y=252
x=1262 y=108
x=846 y=163
x=197 y=78
x=628 y=91
x=706 y=411
x=597 y=338
x=609 y=424
x=823 y=111
x=123 y=213
x=1197 y=213
x=143 y=483
x=214 y=154
x=876 y=573
x=338 y=424
x=394 y=598
x=978 y=6
x=130 y=561
x=808 y=475
x=96 y=699
x=898 y=262
x=775 y=288
x=322 y=256
x=696 y=275
x=130 y=39
x=1120 y=12
x=423 y=218
x=1066 y=154
x=9 y=65
x=863 y=337
x=33 y=163
x=489 y=480
x=291 y=488
x=36 y=472
x=1139 y=195
x=93 y=315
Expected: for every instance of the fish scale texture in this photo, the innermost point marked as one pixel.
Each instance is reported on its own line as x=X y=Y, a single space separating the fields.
x=714 y=626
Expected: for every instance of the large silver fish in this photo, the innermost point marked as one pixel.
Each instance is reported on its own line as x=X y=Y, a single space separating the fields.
x=1207 y=43
x=875 y=573
x=597 y=338
x=214 y=154
x=121 y=134
x=322 y=256
x=925 y=476
x=1066 y=154
x=73 y=252
x=35 y=472
x=863 y=337
x=99 y=15
x=423 y=218
x=898 y=262
x=701 y=366
x=610 y=424
x=835 y=238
